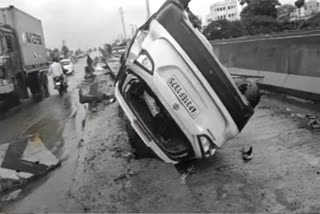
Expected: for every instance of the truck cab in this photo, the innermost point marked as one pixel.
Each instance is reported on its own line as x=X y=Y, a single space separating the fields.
x=9 y=64
x=23 y=57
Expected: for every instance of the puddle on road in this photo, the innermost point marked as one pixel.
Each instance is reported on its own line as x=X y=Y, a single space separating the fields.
x=61 y=122
x=49 y=129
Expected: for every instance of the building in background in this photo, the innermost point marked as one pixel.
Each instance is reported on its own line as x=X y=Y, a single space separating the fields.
x=309 y=9
x=227 y=9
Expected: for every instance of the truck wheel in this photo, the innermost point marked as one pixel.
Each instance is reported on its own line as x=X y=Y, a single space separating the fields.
x=43 y=91
x=45 y=87
x=35 y=85
x=141 y=150
x=13 y=99
x=61 y=92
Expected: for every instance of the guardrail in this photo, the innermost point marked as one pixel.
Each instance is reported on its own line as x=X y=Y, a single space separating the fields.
x=289 y=62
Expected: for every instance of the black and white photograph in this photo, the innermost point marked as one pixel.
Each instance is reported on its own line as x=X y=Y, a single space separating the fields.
x=160 y=106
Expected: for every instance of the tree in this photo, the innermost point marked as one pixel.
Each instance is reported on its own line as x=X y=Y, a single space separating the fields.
x=313 y=22
x=299 y=4
x=284 y=12
x=259 y=8
x=65 y=51
x=224 y=29
x=259 y=16
x=261 y=25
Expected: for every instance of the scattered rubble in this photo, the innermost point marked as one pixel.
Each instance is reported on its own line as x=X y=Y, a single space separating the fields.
x=314 y=124
x=189 y=171
x=298 y=115
x=312 y=121
x=129 y=156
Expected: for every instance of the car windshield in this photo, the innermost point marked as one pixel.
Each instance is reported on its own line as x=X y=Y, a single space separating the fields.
x=65 y=63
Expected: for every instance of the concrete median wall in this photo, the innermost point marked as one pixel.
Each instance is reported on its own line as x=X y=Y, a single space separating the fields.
x=288 y=62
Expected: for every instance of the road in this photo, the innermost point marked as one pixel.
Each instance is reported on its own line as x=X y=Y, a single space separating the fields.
x=97 y=174
x=59 y=122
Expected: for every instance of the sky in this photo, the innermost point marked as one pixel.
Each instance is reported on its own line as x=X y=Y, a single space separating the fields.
x=91 y=23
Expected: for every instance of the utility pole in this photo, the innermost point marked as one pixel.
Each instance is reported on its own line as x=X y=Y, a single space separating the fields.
x=123 y=22
x=148 y=9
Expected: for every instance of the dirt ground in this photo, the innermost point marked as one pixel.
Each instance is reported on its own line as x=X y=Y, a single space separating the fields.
x=108 y=179
x=283 y=176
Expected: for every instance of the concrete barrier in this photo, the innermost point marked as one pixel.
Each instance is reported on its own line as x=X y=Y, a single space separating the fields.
x=289 y=62
x=97 y=89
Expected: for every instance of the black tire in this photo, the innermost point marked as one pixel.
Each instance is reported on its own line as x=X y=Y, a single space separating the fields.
x=46 y=87
x=141 y=150
x=13 y=100
x=35 y=84
x=41 y=90
x=61 y=92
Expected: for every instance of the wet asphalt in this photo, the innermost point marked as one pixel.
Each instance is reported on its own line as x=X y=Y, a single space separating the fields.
x=59 y=121
x=282 y=177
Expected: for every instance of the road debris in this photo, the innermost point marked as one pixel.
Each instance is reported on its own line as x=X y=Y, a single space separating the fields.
x=24 y=159
x=117 y=152
x=247 y=153
x=11 y=196
x=129 y=156
x=313 y=121
x=314 y=124
x=188 y=172
x=120 y=178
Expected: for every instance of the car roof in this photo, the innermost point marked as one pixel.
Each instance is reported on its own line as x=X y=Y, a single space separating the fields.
x=65 y=60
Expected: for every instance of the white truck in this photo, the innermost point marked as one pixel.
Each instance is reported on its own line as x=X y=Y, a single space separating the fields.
x=23 y=57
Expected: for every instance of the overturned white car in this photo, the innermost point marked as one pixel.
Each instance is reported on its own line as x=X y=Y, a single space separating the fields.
x=178 y=97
